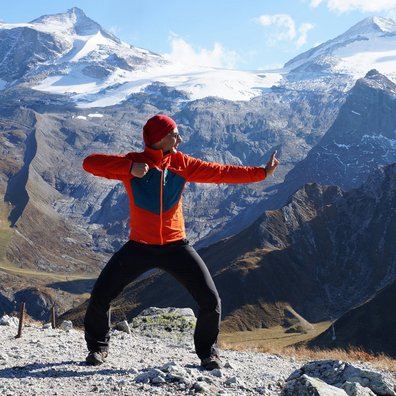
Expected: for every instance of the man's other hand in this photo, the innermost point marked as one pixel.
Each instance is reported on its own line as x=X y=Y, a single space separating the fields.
x=139 y=169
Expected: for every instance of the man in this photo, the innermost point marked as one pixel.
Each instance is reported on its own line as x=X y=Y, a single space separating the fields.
x=154 y=180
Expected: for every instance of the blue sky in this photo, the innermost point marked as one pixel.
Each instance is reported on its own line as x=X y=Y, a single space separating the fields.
x=240 y=34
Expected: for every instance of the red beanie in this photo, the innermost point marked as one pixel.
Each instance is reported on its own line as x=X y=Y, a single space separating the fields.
x=156 y=128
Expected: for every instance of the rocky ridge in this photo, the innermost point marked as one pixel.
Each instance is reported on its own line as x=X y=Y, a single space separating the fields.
x=361 y=138
x=51 y=361
x=360 y=327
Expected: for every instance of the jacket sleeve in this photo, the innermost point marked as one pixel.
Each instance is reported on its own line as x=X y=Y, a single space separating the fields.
x=199 y=171
x=110 y=166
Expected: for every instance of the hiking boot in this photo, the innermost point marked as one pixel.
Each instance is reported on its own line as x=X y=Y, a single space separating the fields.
x=211 y=363
x=96 y=358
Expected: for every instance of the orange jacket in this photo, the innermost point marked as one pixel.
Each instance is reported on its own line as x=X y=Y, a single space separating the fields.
x=155 y=201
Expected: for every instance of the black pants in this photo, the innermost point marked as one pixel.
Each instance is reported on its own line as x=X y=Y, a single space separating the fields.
x=133 y=259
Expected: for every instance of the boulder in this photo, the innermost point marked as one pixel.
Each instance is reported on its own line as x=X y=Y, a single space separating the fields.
x=160 y=322
x=309 y=386
x=354 y=380
x=6 y=320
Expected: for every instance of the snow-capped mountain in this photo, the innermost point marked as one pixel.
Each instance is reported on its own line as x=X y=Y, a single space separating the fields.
x=370 y=44
x=71 y=54
x=52 y=67
x=65 y=52
x=362 y=137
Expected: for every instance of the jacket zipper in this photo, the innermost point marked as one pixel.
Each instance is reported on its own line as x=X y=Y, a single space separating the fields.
x=161 y=189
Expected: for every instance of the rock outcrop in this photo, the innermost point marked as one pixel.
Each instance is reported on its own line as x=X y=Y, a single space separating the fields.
x=150 y=364
x=334 y=377
x=370 y=326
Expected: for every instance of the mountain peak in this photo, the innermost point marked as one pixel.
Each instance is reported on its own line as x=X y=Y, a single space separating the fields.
x=73 y=19
x=353 y=52
x=373 y=24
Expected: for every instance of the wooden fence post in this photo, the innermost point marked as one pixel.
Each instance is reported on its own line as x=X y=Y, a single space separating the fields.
x=53 y=317
x=21 y=317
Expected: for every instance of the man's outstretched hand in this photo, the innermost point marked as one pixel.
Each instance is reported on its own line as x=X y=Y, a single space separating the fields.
x=271 y=164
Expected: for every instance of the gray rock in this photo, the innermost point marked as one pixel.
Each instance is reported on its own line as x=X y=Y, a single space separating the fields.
x=9 y=321
x=355 y=389
x=175 y=372
x=370 y=379
x=158 y=380
x=234 y=382
x=216 y=373
x=148 y=376
x=173 y=323
x=123 y=326
x=200 y=387
x=206 y=379
x=152 y=311
x=336 y=372
x=309 y=386
x=66 y=325
x=228 y=365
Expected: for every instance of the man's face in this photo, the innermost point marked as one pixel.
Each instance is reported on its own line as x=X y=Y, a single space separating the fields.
x=169 y=143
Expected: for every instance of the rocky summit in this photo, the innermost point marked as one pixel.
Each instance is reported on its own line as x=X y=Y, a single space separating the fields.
x=51 y=361
x=308 y=244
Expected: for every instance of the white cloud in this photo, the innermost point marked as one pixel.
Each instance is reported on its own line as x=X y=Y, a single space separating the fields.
x=183 y=52
x=361 y=5
x=285 y=29
x=285 y=23
x=314 y=3
x=303 y=31
x=391 y=14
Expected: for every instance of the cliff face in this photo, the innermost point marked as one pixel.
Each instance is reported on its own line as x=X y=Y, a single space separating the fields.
x=361 y=138
x=369 y=327
x=328 y=263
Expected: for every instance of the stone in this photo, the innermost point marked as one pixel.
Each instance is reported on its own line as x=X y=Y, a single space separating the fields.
x=175 y=372
x=309 y=386
x=123 y=326
x=158 y=380
x=337 y=372
x=177 y=324
x=169 y=310
x=370 y=379
x=9 y=321
x=232 y=381
x=355 y=389
x=66 y=325
x=216 y=373
x=200 y=387
x=228 y=365
x=147 y=376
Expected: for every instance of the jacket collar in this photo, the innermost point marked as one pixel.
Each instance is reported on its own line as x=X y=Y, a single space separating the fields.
x=157 y=156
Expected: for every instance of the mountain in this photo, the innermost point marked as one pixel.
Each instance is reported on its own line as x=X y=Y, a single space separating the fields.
x=64 y=48
x=361 y=138
x=369 y=327
x=322 y=254
x=72 y=55
x=57 y=68
x=370 y=44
